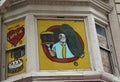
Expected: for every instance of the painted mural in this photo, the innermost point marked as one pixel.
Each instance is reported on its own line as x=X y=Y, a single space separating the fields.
x=16 y=48
x=15 y=34
x=62 y=45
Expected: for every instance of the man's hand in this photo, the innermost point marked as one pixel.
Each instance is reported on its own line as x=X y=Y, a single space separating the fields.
x=48 y=45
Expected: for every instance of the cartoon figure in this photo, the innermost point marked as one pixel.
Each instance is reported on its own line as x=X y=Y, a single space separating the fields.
x=61 y=43
x=60 y=49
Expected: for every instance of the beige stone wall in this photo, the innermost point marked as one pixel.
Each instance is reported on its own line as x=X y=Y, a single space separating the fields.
x=114 y=19
x=117 y=8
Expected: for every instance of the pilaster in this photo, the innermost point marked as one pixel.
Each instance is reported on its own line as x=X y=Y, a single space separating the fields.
x=95 y=51
x=31 y=49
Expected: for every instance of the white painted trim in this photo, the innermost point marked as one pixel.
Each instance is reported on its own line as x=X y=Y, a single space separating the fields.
x=50 y=73
x=36 y=44
x=98 y=66
x=89 y=43
x=14 y=19
x=52 y=10
x=68 y=73
x=30 y=43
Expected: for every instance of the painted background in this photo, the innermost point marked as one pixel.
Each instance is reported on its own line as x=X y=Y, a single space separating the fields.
x=15 y=41
x=46 y=64
x=15 y=37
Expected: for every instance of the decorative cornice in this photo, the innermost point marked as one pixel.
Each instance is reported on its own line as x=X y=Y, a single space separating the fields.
x=70 y=78
x=102 y=5
x=65 y=76
x=15 y=4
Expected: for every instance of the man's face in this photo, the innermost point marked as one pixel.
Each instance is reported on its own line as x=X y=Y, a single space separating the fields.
x=62 y=37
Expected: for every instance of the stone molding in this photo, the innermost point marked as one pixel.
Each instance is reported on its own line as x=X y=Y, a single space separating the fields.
x=93 y=77
x=15 y=4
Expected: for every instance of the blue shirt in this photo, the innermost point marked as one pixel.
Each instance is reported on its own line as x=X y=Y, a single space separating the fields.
x=57 y=48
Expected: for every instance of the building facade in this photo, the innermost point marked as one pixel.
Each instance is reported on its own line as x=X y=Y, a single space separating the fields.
x=32 y=32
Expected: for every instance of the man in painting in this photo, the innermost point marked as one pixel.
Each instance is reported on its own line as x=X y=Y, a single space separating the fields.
x=60 y=49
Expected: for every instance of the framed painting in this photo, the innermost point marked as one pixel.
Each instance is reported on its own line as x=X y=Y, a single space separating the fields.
x=62 y=45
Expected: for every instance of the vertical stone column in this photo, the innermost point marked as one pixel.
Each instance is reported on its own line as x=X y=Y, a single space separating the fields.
x=31 y=44
x=3 y=57
x=115 y=30
x=94 y=45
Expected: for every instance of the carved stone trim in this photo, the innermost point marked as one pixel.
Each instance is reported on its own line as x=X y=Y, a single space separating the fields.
x=14 y=2
x=85 y=78
x=98 y=4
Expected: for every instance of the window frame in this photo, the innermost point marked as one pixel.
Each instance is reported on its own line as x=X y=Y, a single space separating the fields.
x=71 y=18
x=106 y=49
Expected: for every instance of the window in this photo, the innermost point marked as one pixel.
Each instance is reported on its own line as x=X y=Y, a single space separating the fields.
x=104 y=47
